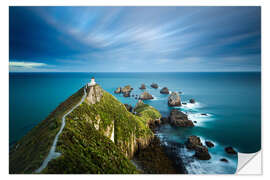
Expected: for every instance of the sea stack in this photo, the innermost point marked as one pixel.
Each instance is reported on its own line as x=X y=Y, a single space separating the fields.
x=118 y=90
x=230 y=150
x=164 y=90
x=174 y=99
x=126 y=94
x=209 y=144
x=154 y=85
x=192 y=101
x=145 y=96
x=143 y=86
x=126 y=90
x=177 y=118
x=201 y=151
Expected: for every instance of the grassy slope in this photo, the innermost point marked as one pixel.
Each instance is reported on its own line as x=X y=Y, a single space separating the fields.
x=85 y=149
x=33 y=148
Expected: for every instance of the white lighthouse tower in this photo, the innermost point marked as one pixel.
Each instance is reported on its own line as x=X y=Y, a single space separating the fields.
x=92 y=83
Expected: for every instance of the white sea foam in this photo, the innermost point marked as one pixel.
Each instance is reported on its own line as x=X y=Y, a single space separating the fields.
x=212 y=166
x=155 y=98
x=195 y=105
x=199 y=118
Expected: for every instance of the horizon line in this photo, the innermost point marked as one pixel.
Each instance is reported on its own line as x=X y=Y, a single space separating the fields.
x=130 y=72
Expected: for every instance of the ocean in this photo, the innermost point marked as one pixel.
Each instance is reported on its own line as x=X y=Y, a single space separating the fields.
x=232 y=101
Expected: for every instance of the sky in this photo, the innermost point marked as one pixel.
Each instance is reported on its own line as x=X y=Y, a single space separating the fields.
x=134 y=39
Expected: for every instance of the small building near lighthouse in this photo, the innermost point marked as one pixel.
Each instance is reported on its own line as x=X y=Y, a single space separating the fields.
x=92 y=83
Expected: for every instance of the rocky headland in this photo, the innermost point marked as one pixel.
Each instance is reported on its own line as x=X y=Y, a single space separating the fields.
x=100 y=136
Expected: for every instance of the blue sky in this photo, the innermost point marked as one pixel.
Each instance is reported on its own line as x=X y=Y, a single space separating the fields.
x=134 y=39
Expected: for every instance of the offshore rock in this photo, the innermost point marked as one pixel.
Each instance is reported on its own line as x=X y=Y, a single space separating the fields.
x=177 y=118
x=143 y=86
x=209 y=144
x=224 y=160
x=193 y=141
x=154 y=85
x=192 y=101
x=118 y=90
x=126 y=94
x=145 y=96
x=126 y=89
x=174 y=99
x=164 y=90
x=230 y=150
x=201 y=152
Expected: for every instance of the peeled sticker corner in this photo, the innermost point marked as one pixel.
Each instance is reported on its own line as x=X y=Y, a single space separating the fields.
x=249 y=163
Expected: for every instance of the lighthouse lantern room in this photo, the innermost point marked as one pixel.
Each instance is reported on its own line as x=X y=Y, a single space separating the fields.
x=92 y=83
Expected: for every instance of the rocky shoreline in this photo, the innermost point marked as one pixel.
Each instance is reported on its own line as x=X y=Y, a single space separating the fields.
x=158 y=159
x=168 y=154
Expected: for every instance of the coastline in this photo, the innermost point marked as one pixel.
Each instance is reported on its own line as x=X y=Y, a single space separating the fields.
x=157 y=158
x=203 y=127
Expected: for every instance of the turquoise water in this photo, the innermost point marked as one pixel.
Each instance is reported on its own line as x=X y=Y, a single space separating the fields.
x=232 y=100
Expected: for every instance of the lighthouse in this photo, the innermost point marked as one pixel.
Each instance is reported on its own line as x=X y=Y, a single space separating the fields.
x=92 y=83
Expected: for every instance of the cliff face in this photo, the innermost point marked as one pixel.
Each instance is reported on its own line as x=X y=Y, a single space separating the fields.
x=99 y=137
x=110 y=118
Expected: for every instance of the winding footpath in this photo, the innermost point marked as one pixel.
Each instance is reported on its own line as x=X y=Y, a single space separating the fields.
x=53 y=154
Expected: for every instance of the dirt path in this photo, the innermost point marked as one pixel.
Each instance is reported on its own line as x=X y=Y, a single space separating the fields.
x=53 y=154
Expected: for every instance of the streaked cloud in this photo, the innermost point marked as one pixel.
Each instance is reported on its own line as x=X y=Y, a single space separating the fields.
x=26 y=64
x=137 y=38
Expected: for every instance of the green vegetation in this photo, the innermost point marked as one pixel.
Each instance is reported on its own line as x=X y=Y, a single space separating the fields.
x=85 y=150
x=146 y=111
x=29 y=153
x=85 y=143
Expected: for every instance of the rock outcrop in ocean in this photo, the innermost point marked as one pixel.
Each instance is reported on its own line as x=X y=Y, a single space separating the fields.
x=164 y=90
x=174 y=99
x=146 y=96
x=154 y=85
x=201 y=152
x=118 y=90
x=224 y=160
x=192 y=101
x=143 y=86
x=126 y=89
x=230 y=150
x=177 y=118
x=209 y=144
x=100 y=136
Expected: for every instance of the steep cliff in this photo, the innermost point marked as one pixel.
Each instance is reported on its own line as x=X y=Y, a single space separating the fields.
x=100 y=136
